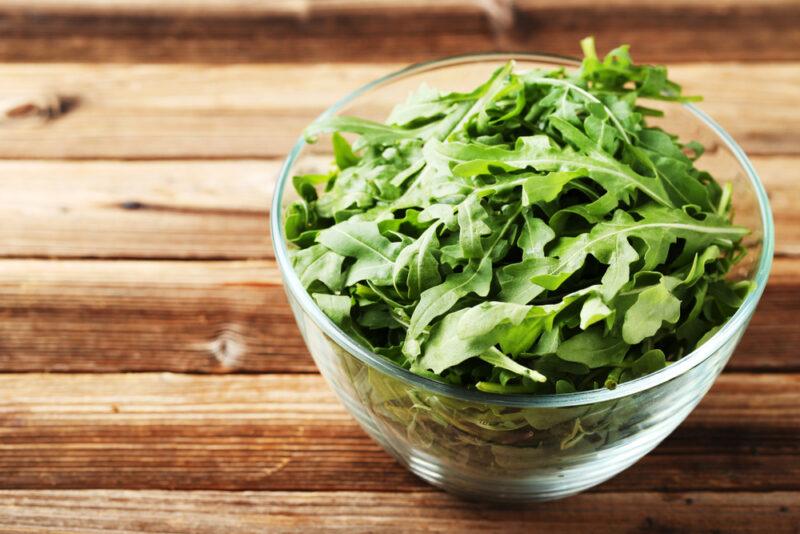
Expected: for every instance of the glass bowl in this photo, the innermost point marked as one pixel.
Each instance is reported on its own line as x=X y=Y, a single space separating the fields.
x=518 y=447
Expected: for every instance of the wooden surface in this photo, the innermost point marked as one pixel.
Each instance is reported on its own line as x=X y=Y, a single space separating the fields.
x=361 y=30
x=288 y=432
x=151 y=375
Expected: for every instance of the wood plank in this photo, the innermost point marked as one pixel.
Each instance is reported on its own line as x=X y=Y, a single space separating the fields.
x=138 y=316
x=203 y=512
x=201 y=209
x=114 y=209
x=232 y=7
x=248 y=111
x=781 y=178
x=212 y=317
x=315 y=30
x=287 y=432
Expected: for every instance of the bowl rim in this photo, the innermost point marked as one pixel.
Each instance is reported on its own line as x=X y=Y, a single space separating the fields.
x=728 y=331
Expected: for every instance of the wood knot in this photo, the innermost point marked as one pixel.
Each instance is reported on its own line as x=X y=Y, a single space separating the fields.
x=229 y=346
x=45 y=107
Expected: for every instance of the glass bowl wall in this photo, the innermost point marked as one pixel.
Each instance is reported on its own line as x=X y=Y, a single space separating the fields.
x=518 y=447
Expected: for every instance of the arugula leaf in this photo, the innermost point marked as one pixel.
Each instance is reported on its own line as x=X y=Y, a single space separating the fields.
x=539 y=153
x=319 y=263
x=546 y=187
x=653 y=307
x=419 y=264
x=619 y=266
x=375 y=255
x=536 y=234
x=516 y=279
x=449 y=344
x=593 y=349
x=500 y=360
x=649 y=362
x=594 y=310
x=472 y=223
x=439 y=299
x=658 y=229
x=372 y=132
x=342 y=152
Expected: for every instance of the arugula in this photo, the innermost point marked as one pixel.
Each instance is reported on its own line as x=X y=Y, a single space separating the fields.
x=534 y=235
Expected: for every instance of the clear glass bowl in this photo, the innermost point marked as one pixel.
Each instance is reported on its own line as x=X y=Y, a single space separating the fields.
x=519 y=447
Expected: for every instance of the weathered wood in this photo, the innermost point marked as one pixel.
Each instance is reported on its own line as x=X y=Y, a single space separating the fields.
x=246 y=111
x=111 y=316
x=72 y=445
x=136 y=315
x=201 y=512
x=324 y=30
x=201 y=209
x=781 y=178
x=287 y=432
x=116 y=209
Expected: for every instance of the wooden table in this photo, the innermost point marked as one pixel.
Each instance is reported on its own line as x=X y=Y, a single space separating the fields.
x=151 y=376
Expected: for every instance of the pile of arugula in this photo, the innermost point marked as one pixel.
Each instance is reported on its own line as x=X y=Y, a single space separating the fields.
x=534 y=235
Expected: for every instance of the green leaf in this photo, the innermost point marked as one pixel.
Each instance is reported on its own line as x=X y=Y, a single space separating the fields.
x=472 y=219
x=419 y=264
x=658 y=228
x=486 y=317
x=546 y=187
x=654 y=306
x=649 y=362
x=373 y=132
x=306 y=184
x=337 y=307
x=619 y=262
x=594 y=310
x=319 y=263
x=534 y=234
x=439 y=299
x=485 y=94
x=468 y=333
x=593 y=349
x=374 y=254
x=500 y=360
x=421 y=106
x=565 y=386
x=342 y=152
x=444 y=349
x=516 y=279
x=541 y=154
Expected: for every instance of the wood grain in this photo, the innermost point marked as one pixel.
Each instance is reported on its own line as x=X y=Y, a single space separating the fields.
x=201 y=209
x=138 y=316
x=115 y=209
x=115 y=173
x=259 y=111
x=201 y=512
x=287 y=432
x=781 y=177
x=213 y=317
x=335 y=30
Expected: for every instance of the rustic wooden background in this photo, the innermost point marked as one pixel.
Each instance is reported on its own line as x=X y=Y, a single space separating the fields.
x=151 y=376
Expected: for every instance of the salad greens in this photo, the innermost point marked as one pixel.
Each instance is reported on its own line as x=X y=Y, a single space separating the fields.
x=534 y=235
